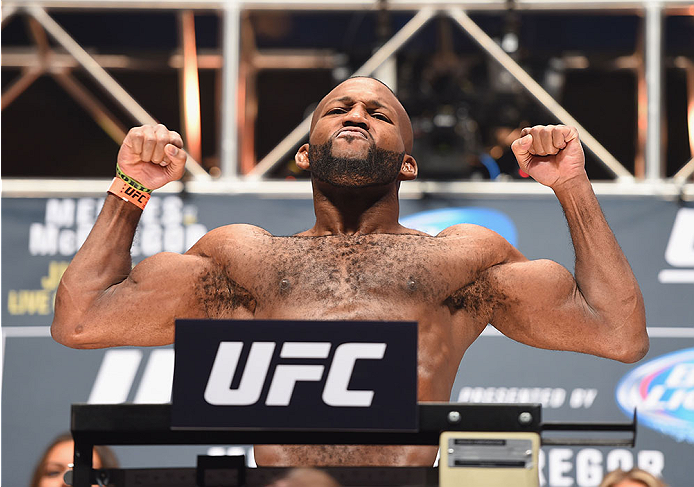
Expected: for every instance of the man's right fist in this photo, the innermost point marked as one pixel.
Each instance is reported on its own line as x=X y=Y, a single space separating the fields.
x=152 y=155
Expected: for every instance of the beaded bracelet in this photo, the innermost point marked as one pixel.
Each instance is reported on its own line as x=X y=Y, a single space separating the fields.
x=131 y=181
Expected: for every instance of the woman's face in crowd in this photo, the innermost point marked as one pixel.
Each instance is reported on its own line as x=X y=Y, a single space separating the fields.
x=56 y=464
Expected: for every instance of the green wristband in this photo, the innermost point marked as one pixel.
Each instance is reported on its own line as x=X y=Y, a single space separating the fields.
x=138 y=186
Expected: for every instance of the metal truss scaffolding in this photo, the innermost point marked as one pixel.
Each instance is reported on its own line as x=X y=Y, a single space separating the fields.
x=649 y=182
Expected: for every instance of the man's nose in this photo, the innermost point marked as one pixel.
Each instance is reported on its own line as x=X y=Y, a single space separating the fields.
x=356 y=117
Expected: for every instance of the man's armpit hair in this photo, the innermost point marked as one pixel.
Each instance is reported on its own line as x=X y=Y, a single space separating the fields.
x=478 y=298
x=220 y=294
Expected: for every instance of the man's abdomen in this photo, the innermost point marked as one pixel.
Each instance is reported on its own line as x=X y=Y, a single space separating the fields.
x=344 y=455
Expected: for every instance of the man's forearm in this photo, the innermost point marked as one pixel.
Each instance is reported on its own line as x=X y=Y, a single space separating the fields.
x=102 y=261
x=603 y=274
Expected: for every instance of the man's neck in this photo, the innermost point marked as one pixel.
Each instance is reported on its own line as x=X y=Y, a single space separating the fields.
x=353 y=211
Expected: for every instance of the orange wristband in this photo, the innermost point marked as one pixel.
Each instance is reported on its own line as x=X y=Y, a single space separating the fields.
x=128 y=193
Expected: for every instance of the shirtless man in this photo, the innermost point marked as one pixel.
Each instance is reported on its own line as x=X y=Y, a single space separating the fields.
x=359 y=263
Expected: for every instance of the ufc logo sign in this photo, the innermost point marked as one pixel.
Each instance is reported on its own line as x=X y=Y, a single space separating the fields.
x=218 y=391
x=299 y=375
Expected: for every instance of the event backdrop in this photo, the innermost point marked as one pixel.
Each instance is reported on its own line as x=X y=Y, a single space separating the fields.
x=40 y=378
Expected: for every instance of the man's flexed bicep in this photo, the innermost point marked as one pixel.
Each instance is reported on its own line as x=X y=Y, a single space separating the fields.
x=140 y=310
x=96 y=303
x=600 y=309
x=541 y=305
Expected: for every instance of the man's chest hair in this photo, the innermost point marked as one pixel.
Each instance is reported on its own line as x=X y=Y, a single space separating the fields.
x=403 y=269
x=340 y=267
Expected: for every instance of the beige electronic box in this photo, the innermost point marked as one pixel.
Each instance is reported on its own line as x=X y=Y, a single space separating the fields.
x=489 y=459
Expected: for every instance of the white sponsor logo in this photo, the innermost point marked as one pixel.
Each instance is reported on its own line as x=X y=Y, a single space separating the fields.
x=335 y=393
x=116 y=377
x=564 y=467
x=662 y=390
x=549 y=397
x=166 y=225
x=680 y=250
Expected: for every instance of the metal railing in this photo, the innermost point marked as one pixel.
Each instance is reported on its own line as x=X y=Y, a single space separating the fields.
x=625 y=183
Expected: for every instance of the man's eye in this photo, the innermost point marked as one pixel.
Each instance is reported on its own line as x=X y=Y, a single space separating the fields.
x=380 y=116
x=336 y=110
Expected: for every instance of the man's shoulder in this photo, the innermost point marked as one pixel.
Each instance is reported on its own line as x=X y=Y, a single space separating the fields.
x=238 y=230
x=469 y=230
x=220 y=239
x=488 y=247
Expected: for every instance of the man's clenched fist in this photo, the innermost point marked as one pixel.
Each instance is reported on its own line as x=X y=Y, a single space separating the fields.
x=550 y=154
x=152 y=155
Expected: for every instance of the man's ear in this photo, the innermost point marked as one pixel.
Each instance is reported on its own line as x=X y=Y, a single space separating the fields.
x=301 y=158
x=408 y=170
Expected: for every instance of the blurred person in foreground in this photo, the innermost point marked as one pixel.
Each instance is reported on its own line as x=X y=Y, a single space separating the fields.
x=633 y=478
x=57 y=460
x=357 y=263
x=305 y=477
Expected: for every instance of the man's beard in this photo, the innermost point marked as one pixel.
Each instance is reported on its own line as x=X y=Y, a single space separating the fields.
x=380 y=167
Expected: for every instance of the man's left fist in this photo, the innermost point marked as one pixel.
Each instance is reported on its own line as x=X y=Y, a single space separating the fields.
x=550 y=154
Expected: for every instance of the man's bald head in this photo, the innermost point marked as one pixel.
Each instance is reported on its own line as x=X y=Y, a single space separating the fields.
x=374 y=91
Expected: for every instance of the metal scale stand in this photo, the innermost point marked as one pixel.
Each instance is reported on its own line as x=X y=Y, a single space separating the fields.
x=481 y=445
